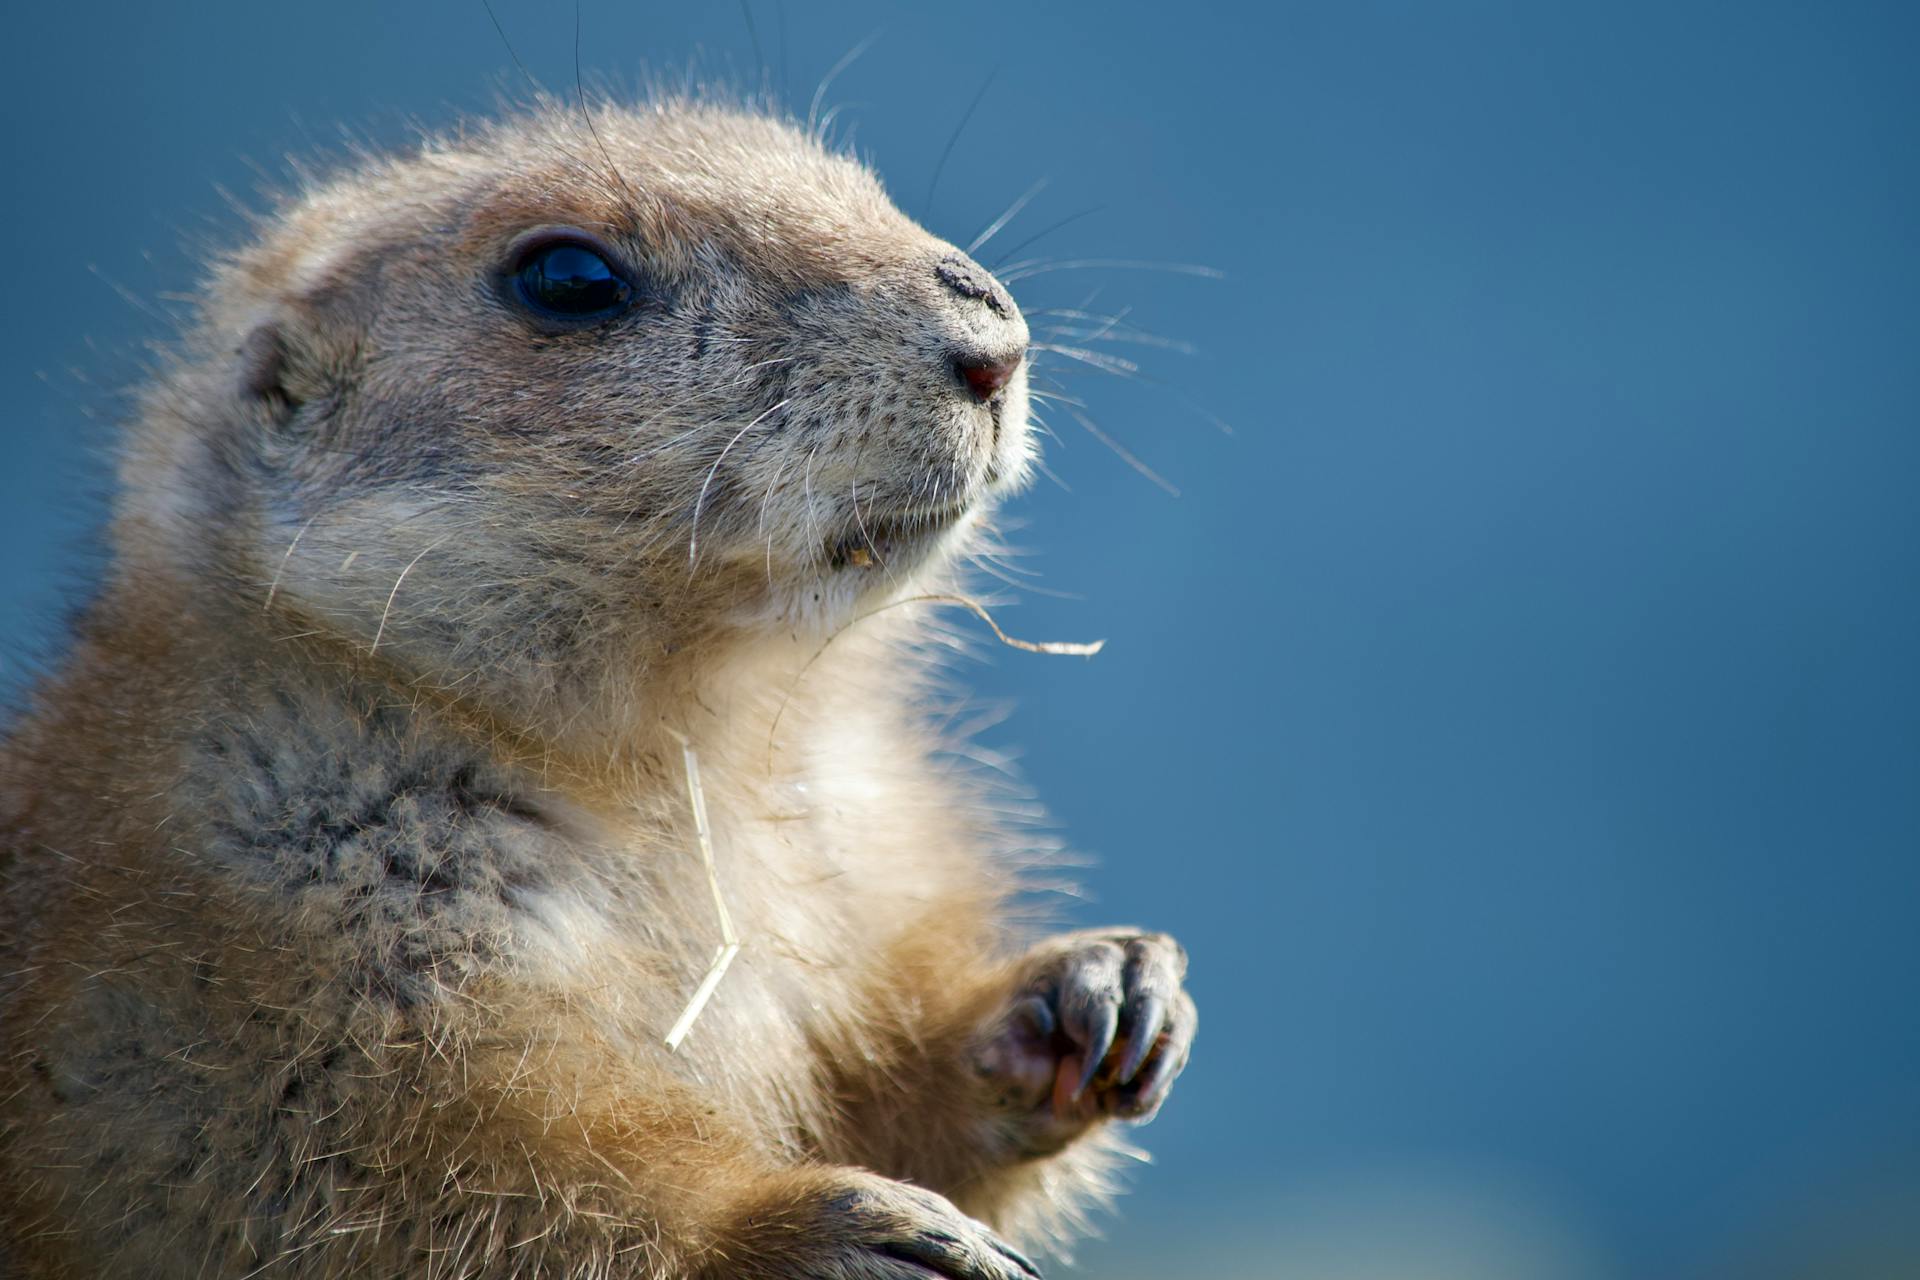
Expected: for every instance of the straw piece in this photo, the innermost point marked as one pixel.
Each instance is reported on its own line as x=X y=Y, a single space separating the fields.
x=1068 y=648
x=729 y=941
x=1071 y=648
x=703 y=993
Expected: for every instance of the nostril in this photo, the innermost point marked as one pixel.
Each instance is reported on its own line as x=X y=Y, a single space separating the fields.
x=966 y=279
x=985 y=378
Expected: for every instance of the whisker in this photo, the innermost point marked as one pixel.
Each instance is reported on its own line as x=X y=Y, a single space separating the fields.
x=766 y=500
x=541 y=96
x=1122 y=452
x=1111 y=327
x=580 y=92
x=1022 y=270
x=1100 y=360
x=1013 y=210
x=737 y=380
x=501 y=31
x=1131 y=335
x=1107 y=328
x=1132 y=373
x=833 y=114
x=819 y=94
x=806 y=492
x=941 y=167
x=866 y=537
x=693 y=539
x=1046 y=429
x=1046 y=231
x=1054 y=395
x=274 y=586
x=981 y=560
x=1047 y=471
x=381 y=630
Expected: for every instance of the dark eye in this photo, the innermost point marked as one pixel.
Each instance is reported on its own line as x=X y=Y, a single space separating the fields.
x=571 y=282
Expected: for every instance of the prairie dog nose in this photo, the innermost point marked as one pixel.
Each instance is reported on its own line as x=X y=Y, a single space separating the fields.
x=986 y=377
x=968 y=279
x=989 y=337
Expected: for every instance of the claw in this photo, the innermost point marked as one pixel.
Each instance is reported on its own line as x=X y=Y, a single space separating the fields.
x=1100 y=1028
x=1154 y=1084
x=945 y=1254
x=1018 y=1259
x=1148 y=1020
x=1104 y=1023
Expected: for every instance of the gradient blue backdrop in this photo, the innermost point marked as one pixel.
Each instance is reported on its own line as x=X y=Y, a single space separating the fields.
x=1518 y=715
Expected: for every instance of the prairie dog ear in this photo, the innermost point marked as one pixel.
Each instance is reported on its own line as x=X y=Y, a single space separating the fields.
x=263 y=371
x=299 y=351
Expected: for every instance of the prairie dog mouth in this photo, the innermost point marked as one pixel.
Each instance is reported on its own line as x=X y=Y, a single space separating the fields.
x=876 y=538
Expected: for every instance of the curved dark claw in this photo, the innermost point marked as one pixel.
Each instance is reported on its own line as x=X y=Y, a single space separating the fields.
x=934 y=1252
x=949 y=1256
x=1143 y=1099
x=1087 y=990
x=946 y=1254
x=1018 y=1259
x=1143 y=1032
x=1096 y=1041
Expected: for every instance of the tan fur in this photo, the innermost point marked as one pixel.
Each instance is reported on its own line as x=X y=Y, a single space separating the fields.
x=349 y=877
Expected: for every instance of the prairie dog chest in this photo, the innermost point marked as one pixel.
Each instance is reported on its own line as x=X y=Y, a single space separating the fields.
x=628 y=923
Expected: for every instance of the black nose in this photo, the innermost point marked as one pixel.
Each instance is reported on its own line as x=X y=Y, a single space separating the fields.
x=985 y=378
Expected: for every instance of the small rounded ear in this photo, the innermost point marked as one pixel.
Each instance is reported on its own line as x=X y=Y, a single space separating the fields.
x=300 y=351
x=263 y=371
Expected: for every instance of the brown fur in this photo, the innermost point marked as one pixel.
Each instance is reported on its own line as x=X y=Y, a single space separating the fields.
x=349 y=877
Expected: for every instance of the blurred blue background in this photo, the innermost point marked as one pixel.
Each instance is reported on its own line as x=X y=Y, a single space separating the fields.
x=1518 y=714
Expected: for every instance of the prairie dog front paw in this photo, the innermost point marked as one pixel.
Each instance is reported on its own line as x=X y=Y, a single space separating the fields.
x=1098 y=1025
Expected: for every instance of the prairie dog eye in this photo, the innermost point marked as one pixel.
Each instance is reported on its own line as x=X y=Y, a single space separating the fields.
x=569 y=280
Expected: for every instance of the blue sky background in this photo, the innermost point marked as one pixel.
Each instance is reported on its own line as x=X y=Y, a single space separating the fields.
x=1518 y=715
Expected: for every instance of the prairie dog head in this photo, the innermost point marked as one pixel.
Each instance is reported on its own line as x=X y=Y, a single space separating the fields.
x=684 y=373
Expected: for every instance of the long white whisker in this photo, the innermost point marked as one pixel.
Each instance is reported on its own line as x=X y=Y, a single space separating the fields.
x=1122 y=452
x=735 y=381
x=1102 y=363
x=1021 y=270
x=693 y=539
x=1097 y=359
x=1107 y=328
x=866 y=537
x=766 y=500
x=1133 y=336
x=1044 y=232
x=994 y=227
x=982 y=561
x=381 y=630
x=275 y=584
x=806 y=493
x=1047 y=471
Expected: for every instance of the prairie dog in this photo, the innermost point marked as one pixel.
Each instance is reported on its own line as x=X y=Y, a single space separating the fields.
x=349 y=878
